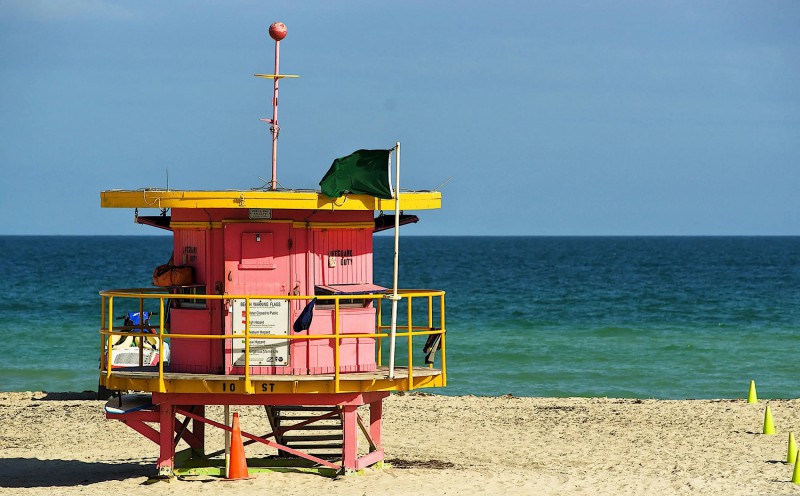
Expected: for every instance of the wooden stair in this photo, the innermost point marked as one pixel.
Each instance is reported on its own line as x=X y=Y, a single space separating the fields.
x=322 y=438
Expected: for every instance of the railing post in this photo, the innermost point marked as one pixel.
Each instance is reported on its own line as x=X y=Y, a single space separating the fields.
x=430 y=321
x=162 y=388
x=336 y=330
x=247 y=386
x=102 y=336
x=141 y=331
x=430 y=312
x=444 y=334
x=379 y=318
x=110 y=338
x=102 y=311
x=141 y=317
x=410 y=346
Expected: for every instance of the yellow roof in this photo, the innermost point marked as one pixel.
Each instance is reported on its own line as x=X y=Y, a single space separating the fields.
x=297 y=200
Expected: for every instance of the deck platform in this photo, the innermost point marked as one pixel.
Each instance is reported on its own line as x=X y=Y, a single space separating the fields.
x=147 y=379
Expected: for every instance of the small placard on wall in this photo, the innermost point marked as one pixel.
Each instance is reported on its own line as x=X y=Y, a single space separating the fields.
x=259 y=213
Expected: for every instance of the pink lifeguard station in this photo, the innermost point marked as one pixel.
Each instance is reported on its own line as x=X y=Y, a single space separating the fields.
x=269 y=300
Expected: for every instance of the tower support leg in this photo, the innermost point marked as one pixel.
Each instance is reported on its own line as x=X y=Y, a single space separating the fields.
x=375 y=419
x=350 y=437
x=199 y=430
x=166 y=457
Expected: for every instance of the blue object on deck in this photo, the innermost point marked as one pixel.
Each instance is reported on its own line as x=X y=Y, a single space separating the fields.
x=303 y=321
x=133 y=318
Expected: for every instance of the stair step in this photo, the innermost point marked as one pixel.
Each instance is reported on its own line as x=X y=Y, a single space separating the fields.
x=312 y=427
x=301 y=446
x=293 y=408
x=324 y=456
x=303 y=417
x=313 y=437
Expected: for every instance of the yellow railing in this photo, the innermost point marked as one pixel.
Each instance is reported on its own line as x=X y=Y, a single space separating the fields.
x=146 y=298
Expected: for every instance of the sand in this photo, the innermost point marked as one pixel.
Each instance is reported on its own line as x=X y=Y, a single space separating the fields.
x=54 y=444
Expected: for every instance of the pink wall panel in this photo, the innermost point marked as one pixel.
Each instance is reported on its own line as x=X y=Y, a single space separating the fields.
x=189 y=248
x=342 y=256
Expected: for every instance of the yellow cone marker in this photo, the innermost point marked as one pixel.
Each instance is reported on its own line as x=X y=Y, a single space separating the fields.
x=791 y=454
x=796 y=473
x=752 y=397
x=769 y=425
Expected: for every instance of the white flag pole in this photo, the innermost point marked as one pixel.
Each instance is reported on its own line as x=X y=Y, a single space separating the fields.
x=395 y=297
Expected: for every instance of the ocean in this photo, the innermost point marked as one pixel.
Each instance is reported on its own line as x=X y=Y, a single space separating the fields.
x=631 y=317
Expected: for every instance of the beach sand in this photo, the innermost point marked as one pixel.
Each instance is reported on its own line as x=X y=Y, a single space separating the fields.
x=54 y=444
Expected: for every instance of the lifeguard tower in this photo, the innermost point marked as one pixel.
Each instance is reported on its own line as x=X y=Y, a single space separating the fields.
x=269 y=300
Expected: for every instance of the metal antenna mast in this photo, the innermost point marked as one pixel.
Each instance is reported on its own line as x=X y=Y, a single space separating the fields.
x=277 y=31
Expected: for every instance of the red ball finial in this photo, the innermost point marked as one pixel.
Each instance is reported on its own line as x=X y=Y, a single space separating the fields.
x=277 y=31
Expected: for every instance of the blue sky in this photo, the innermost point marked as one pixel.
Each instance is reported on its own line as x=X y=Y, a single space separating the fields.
x=551 y=117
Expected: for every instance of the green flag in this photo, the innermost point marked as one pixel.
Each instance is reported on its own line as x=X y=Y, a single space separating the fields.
x=363 y=172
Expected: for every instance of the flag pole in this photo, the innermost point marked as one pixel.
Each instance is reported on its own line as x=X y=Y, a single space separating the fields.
x=395 y=297
x=277 y=32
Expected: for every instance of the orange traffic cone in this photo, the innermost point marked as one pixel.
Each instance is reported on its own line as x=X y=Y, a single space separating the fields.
x=237 y=467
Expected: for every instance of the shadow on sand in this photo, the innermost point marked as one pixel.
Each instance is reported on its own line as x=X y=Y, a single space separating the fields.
x=33 y=472
x=67 y=396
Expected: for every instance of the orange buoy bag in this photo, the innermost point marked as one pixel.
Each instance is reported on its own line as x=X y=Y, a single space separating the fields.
x=173 y=275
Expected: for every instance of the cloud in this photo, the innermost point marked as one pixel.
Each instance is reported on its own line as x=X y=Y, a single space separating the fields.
x=64 y=10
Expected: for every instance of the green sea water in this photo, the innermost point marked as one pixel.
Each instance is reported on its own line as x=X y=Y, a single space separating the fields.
x=662 y=317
